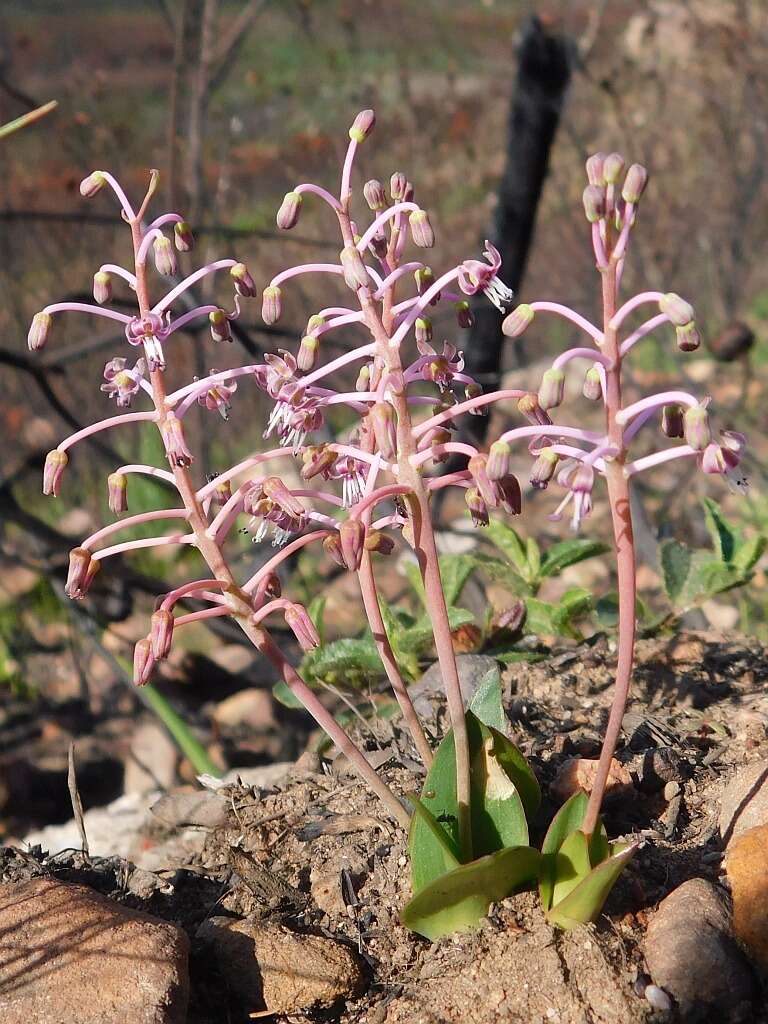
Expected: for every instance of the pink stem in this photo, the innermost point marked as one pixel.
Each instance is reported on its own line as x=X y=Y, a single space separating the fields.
x=163 y=474
x=317 y=190
x=346 y=175
x=642 y=331
x=289 y=549
x=599 y=247
x=193 y=278
x=461 y=478
x=382 y=219
x=86 y=307
x=471 y=403
x=187 y=318
x=165 y=218
x=569 y=314
x=655 y=402
x=363 y=352
x=420 y=305
x=249 y=463
x=588 y=436
x=395 y=275
x=658 y=458
x=146 y=241
x=113 y=268
x=642 y=298
x=306 y=268
x=173 y=596
x=145 y=542
x=137 y=520
x=205 y=613
x=580 y=353
x=121 y=196
x=443 y=449
x=375 y=497
x=112 y=421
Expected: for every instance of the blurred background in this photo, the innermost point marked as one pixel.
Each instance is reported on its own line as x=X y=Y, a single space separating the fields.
x=234 y=103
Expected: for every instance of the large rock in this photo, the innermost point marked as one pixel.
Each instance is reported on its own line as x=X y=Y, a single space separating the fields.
x=472 y=670
x=691 y=955
x=747 y=867
x=69 y=954
x=744 y=803
x=268 y=966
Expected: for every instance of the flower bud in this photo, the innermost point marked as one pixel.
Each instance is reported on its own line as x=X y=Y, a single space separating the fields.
x=306 y=357
x=477 y=507
x=55 y=464
x=219 y=324
x=290 y=208
x=471 y=391
x=373 y=191
x=511 y=618
x=244 y=283
x=595 y=169
x=379 y=244
x=672 y=421
x=363 y=382
x=352 y=538
x=332 y=548
x=221 y=494
x=634 y=184
x=271 y=304
x=593 y=198
x=82 y=569
x=612 y=168
x=424 y=279
x=362 y=126
x=94 y=183
x=102 y=287
x=303 y=628
x=176 y=449
x=276 y=491
x=384 y=424
x=397 y=186
x=713 y=459
x=688 y=337
x=543 y=468
x=423 y=329
x=528 y=406
x=518 y=320
x=161 y=633
x=39 y=330
x=379 y=542
x=165 y=257
x=499 y=460
x=592 y=387
x=317 y=459
x=355 y=274
x=183 y=238
x=477 y=467
x=117 y=493
x=552 y=388
x=696 y=427
x=678 y=310
x=464 y=316
x=268 y=588
x=421 y=230
x=510 y=495
x=143 y=662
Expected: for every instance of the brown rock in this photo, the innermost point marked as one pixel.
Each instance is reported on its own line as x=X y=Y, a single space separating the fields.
x=151 y=760
x=251 y=707
x=747 y=868
x=744 y=803
x=579 y=773
x=69 y=954
x=269 y=967
x=691 y=955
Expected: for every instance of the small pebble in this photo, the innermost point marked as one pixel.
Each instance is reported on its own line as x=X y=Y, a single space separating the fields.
x=642 y=983
x=671 y=790
x=658 y=998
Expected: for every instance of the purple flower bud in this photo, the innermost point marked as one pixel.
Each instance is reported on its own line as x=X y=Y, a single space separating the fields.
x=379 y=543
x=384 y=423
x=477 y=466
x=477 y=507
x=474 y=391
x=511 y=618
x=363 y=382
x=176 y=450
x=271 y=304
x=613 y=167
x=543 y=468
x=82 y=568
x=332 y=548
x=421 y=230
x=94 y=183
x=268 y=588
x=244 y=283
x=592 y=387
x=355 y=274
x=55 y=464
x=593 y=198
x=306 y=357
x=302 y=626
x=672 y=421
x=424 y=279
x=510 y=495
x=221 y=494
x=275 y=490
x=713 y=459
x=39 y=330
x=219 y=324
x=464 y=316
x=498 y=464
x=317 y=459
x=397 y=186
x=183 y=237
x=678 y=310
x=688 y=337
x=161 y=633
x=634 y=184
x=552 y=388
x=518 y=320
x=362 y=126
x=143 y=662
x=290 y=208
x=595 y=169
x=373 y=191
x=165 y=257
x=102 y=287
x=696 y=427
x=352 y=539
x=528 y=406
x=423 y=330
x=117 y=493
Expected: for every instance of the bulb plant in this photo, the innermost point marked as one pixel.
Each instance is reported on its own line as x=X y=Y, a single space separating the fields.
x=468 y=827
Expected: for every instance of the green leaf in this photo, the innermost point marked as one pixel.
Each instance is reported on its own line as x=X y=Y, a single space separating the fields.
x=413 y=575
x=284 y=695
x=433 y=851
x=458 y=900
x=585 y=901
x=723 y=535
x=350 y=662
x=571 y=865
x=455 y=570
x=570 y=552
x=315 y=610
x=487 y=703
x=675 y=567
x=574 y=603
x=567 y=820
x=499 y=570
x=749 y=552
x=539 y=617
x=509 y=542
x=512 y=656
x=707 y=578
x=418 y=638
x=607 y=610
x=533 y=560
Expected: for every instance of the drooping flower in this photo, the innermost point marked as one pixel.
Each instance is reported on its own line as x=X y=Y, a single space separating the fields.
x=149 y=331
x=442 y=368
x=121 y=383
x=725 y=459
x=475 y=276
x=217 y=397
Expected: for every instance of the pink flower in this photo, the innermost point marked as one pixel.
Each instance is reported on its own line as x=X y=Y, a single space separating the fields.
x=725 y=459
x=442 y=368
x=149 y=331
x=475 y=276
x=122 y=384
x=218 y=396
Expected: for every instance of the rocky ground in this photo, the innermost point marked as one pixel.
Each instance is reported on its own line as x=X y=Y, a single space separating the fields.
x=278 y=896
